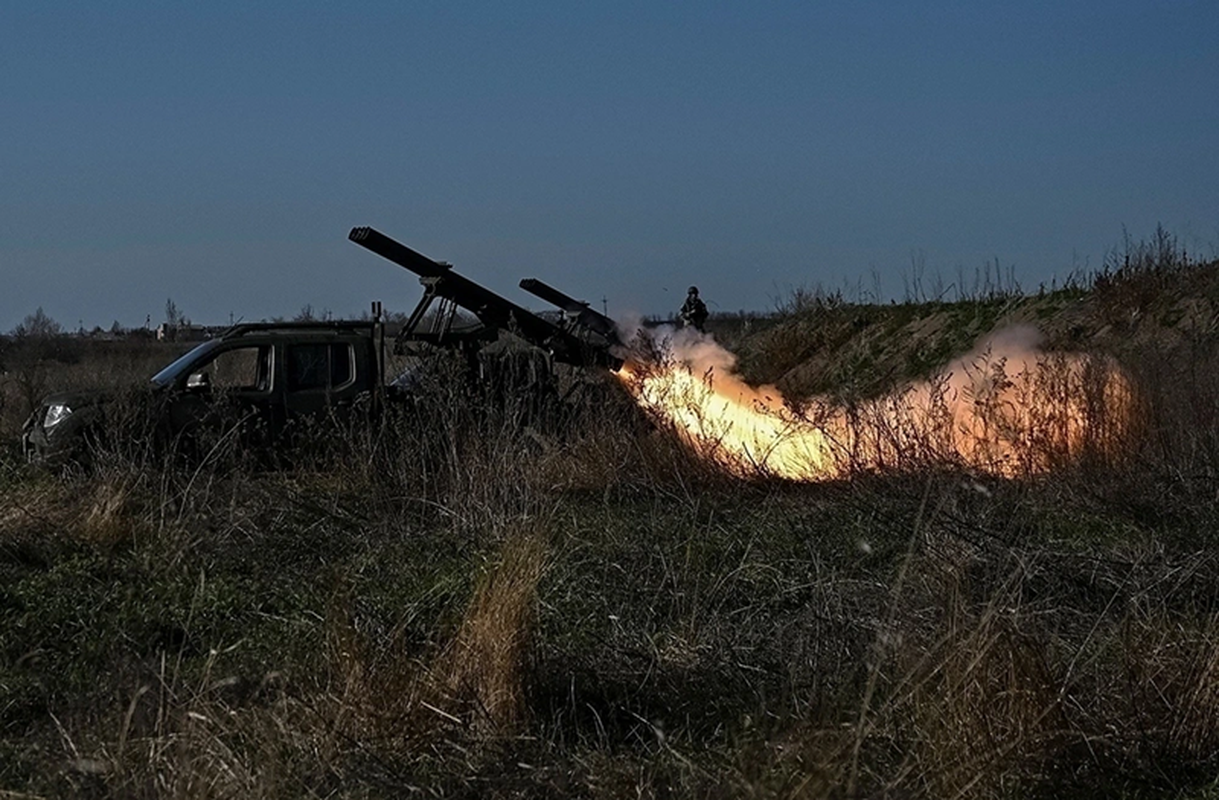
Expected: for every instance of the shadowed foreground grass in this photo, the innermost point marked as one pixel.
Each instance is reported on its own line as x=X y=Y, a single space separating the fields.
x=659 y=631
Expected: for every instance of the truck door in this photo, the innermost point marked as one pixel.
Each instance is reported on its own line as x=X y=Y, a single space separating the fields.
x=323 y=380
x=232 y=393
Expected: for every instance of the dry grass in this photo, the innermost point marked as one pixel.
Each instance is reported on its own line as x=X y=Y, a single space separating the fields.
x=481 y=674
x=975 y=694
x=475 y=600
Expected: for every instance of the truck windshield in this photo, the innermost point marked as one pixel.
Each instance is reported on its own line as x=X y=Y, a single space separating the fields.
x=182 y=366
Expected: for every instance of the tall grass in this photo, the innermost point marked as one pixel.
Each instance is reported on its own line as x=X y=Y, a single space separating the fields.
x=486 y=598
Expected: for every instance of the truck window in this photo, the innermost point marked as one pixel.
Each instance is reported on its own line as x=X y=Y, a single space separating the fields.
x=318 y=366
x=243 y=368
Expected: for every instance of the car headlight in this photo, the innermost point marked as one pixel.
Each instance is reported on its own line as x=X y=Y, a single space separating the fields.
x=56 y=413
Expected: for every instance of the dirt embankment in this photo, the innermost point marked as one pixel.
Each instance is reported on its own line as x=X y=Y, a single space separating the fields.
x=864 y=350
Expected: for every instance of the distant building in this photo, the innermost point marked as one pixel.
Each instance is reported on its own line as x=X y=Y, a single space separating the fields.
x=187 y=333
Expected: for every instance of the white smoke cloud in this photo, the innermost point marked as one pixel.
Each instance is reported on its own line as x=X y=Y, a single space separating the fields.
x=1017 y=347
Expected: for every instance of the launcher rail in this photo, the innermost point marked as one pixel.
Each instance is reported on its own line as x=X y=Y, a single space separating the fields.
x=495 y=313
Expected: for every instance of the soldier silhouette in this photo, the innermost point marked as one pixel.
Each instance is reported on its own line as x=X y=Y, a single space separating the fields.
x=694 y=310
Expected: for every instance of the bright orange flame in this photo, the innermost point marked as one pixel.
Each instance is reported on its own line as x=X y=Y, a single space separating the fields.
x=1004 y=413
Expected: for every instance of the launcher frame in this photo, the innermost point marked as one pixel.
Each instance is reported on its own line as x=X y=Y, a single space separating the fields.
x=494 y=313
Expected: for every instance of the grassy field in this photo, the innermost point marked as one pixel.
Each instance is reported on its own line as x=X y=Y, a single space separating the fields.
x=446 y=607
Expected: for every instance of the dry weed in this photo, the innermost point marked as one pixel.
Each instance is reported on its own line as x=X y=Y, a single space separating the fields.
x=482 y=673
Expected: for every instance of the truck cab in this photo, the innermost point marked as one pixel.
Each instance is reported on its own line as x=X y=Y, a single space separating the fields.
x=254 y=380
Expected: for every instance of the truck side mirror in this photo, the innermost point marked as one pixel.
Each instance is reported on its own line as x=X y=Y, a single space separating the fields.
x=199 y=382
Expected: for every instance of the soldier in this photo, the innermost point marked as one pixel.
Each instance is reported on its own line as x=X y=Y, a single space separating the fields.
x=694 y=310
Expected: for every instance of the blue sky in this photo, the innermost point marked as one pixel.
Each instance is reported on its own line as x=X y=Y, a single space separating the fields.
x=218 y=153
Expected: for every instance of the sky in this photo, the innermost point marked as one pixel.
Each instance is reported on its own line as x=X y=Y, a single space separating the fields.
x=217 y=154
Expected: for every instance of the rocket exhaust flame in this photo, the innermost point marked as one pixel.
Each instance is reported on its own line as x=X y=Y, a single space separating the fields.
x=1005 y=409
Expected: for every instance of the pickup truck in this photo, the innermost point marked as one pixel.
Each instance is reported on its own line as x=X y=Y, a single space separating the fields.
x=263 y=376
x=266 y=376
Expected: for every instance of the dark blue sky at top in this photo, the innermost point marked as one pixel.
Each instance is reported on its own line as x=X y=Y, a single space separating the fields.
x=218 y=153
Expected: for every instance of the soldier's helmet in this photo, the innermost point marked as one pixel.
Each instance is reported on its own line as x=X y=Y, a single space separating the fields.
x=692 y=290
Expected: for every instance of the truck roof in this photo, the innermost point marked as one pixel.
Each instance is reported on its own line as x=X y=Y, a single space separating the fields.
x=289 y=328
